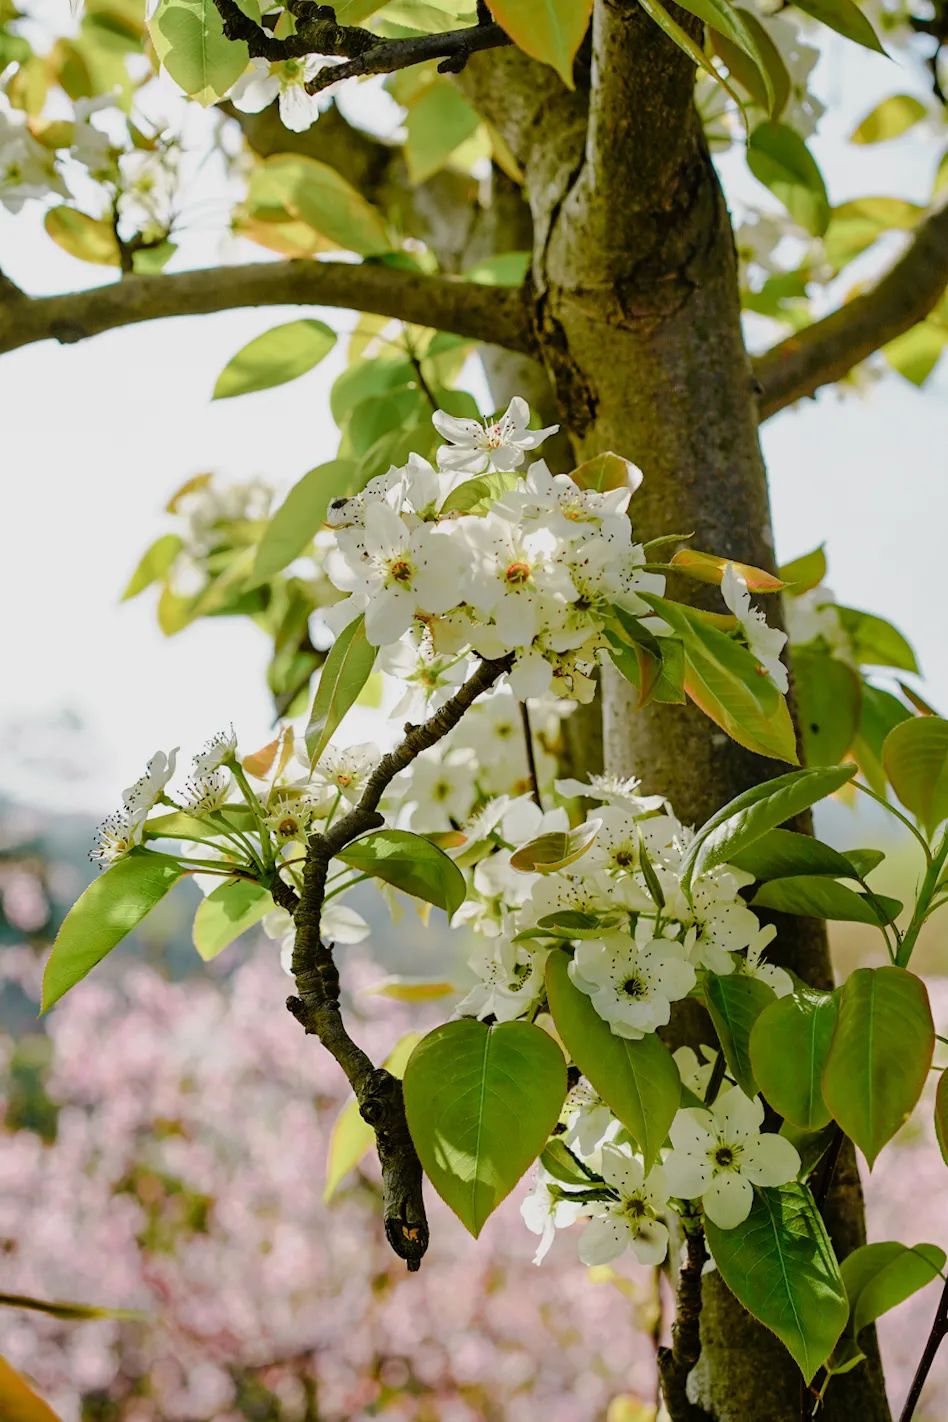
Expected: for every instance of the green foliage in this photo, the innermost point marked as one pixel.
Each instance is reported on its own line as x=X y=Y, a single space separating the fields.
x=189 y=41
x=735 y=1003
x=846 y=18
x=880 y=1055
x=780 y=854
x=281 y=354
x=915 y=756
x=789 y=1045
x=439 y=120
x=301 y=515
x=829 y=695
x=638 y=1080
x=88 y=239
x=941 y=1114
x=548 y=30
x=154 y=565
x=110 y=908
x=226 y=913
x=780 y=1265
x=893 y=117
x=481 y=1103
x=294 y=188
x=878 y=1277
x=813 y=896
x=344 y=674
x=729 y=23
x=778 y=157
x=411 y=863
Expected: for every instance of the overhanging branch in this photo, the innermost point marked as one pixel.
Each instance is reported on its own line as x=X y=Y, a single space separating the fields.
x=830 y=348
x=481 y=313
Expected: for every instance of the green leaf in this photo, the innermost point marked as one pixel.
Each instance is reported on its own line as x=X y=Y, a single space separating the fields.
x=829 y=694
x=559 y=1161
x=723 y=680
x=878 y=1277
x=344 y=674
x=503 y=269
x=710 y=568
x=735 y=1003
x=607 y=471
x=411 y=863
x=189 y=41
x=880 y=1055
x=804 y=573
x=318 y=196
x=915 y=756
x=941 y=1115
x=438 y=122
x=279 y=355
x=114 y=904
x=789 y=1045
x=879 y=712
x=657 y=12
x=778 y=157
x=726 y=21
x=88 y=239
x=638 y=1080
x=780 y=1265
x=894 y=116
x=548 y=30
x=155 y=563
x=555 y=849
x=846 y=18
x=476 y=495
x=781 y=854
x=352 y=1137
x=300 y=517
x=749 y=816
x=227 y=913
x=746 y=71
x=876 y=642
x=810 y=896
x=915 y=354
x=481 y=1103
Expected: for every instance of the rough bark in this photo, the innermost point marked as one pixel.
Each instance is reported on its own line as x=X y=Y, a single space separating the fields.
x=638 y=317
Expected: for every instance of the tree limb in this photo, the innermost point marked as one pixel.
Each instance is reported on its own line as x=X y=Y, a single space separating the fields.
x=466 y=309
x=676 y=1362
x=378 y=1093
x=828 y=349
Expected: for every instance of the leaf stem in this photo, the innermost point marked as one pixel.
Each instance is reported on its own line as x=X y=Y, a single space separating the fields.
x=939 y=1330
x=886 y=805
x=531 y=754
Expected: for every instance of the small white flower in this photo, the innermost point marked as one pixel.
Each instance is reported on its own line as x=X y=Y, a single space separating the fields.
x=443 y=788
x=147 y=182
x=475 y=447
x=754 y=967
x=142 y=797
x=286 y=79
x=290 y=816
x=544 y=1213
x=346 y=769
x=206 y=793
x=218 y=749
x=764 y=642
x=695 y=1074
x=511 y=980
x=611 y=790
x=632 y=987
x=116 y=837
x=719 y=1155
x=632 y=1221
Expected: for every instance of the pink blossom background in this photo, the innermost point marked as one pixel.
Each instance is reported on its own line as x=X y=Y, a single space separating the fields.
x=186 y=1181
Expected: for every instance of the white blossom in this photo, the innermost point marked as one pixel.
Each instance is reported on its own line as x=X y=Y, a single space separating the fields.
x=142 y=797
x=719 y=1154
x=544 y=1212
x=346 y=769
x=284 y=80
x=632 y=986
x=765 y=643
x=633 y=1220
x=474 y=447
x=216 y=751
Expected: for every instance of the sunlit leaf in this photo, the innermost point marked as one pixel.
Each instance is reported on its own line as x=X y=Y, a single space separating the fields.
x=915 y=756
x=548 y=30
x=556 y=849
x=281 y=354
x=226 y=913
x=189 y=41
x=345 y=672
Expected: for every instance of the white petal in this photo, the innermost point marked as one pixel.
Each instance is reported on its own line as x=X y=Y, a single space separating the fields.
x=686 y=1175
x=298 y=110
x=603 y=1239
x=739 y=1116
x=388 y=616
x=728 y=1199
x=773 y=1160
x=650 y=1243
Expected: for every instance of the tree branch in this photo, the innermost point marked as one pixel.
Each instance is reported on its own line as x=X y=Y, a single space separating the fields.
x=828 y=349
x=378 y=1093
x=676 y=1362
x=466 y=309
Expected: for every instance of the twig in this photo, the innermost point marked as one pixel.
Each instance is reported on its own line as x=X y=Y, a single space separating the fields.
x=531 y=754
x=939 y=1330
x=676 y=1362
x=316 y=1008
x=453 y=49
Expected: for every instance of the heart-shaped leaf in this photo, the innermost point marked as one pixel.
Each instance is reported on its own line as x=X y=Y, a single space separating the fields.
x=789 y=1044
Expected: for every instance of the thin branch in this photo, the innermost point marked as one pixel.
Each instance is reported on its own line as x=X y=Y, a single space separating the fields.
x=317 y=32
x=482 y=313
x=317 y=1009
x=830 y=348
x=531 y=754
x=675 y=1363
x=937 y=1335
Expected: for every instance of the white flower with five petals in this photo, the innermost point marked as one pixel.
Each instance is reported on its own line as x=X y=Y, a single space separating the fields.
x=501 y=445
x=632 y=987
x=633 y=1220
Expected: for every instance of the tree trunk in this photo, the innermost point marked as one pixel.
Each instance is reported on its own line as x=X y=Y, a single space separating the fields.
x=637 y=311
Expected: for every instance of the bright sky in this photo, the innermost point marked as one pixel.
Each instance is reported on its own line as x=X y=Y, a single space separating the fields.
x=94 y=438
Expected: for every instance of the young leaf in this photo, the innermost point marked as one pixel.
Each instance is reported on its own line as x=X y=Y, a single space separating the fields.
x=315 y=194
x=548 y=30
x=669 y=25
x=782 y=854
x=750 y=815
x=879 y=712
x=880 y=1055
x=88 y=239
x=555 y=850
x=876 y=642
x=811 y=896
x=411 y=863
x=439 y=120
x=351 y=1136
x=481 y=1103
x=941 y=1114
x=114 y=904
x=281 y=354
x=893 y=117
x=829 y=695
x=344 y=674
x=846 y=18
x=735 y=1003
x=300 y=517
x=722 y=678
x=607 y=471
x=805 y=573
x=726 y=20
x=878 y=1277
x=915 y=756
x=189 y=41
x=778 y=157
x=227 y=913
x=154 y=564
x=780 y=1265
x=749 y=73
x=638 y=1081
x=709 y=568
x=789 y=1045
